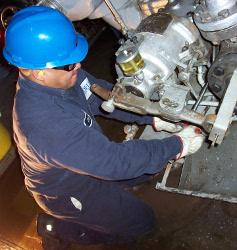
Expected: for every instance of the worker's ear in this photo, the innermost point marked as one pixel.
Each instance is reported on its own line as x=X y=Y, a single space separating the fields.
x=25 y=72
x=38 y=74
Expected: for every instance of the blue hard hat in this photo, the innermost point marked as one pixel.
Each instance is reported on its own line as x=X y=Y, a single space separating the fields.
x=41 y=37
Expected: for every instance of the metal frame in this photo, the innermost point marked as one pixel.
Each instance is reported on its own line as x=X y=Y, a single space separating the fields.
x=162 y=186
x=225 y=113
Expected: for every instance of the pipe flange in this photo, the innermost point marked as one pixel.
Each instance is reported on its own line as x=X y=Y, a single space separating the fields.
x=209 y=19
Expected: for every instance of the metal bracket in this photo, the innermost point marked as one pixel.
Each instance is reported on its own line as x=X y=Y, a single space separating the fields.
x=225 y=113
x=162 y=186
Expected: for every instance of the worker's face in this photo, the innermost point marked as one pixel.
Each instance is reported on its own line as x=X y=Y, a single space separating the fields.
x=57 y=78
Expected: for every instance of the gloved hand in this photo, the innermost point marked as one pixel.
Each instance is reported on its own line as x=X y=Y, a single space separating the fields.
x=160 y=125
x=192 y=140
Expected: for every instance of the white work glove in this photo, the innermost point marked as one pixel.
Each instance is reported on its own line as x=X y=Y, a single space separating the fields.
x=160 y=125
x=192 y=140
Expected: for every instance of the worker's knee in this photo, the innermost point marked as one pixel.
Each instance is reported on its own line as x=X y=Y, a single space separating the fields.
x=144 y=222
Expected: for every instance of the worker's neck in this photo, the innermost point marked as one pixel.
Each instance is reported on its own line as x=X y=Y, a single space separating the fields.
x=27 y=73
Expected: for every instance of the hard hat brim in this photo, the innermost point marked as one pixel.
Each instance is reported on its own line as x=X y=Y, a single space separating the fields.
x=79 y=53
x=76 y=56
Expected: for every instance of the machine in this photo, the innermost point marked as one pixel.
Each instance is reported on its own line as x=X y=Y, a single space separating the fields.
x=166 y=67
x=180 y=65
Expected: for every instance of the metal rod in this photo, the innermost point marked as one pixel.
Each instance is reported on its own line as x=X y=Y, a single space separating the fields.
x=213 y=53
x=200 y=76
x=197 y=194
x=191 y=89
x=200 y=97
x=117 y=17
x=204 y=103
x=166 y=175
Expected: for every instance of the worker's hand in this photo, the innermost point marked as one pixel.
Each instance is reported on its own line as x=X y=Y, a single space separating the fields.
x=160 y=125
x=192 y=140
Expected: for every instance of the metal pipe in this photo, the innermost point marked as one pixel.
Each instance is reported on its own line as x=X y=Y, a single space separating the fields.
x=204 y=103
x=214 y=52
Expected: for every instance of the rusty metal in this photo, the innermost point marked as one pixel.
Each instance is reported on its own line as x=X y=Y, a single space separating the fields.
x=130 y=131
x=117 y=17
x=102 y=92
x=133 y=103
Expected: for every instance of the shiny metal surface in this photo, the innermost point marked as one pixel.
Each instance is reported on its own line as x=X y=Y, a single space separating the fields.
x=160 y=58
x=52 y=4
x=216 y=15
x=225 y=112
x=214 y=7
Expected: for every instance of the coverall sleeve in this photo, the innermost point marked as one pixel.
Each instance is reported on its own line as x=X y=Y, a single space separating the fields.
x=118 y=114
x=71 y=145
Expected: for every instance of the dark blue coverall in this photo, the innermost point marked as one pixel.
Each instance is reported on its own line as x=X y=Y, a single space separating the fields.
x=73 y=171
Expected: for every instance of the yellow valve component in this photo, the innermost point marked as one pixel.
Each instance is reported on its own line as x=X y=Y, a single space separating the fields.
x=5 y=141
x=130 y=61
x=133 y=66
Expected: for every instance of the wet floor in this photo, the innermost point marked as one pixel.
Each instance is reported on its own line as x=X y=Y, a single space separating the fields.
x=184 y=222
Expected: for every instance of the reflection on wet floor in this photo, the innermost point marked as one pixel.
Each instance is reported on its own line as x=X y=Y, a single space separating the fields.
x=185 y=222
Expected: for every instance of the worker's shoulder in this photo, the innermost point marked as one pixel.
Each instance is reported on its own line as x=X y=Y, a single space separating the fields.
x=30 y=103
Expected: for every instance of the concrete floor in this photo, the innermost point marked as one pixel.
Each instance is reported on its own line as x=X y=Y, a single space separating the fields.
x=185 y=222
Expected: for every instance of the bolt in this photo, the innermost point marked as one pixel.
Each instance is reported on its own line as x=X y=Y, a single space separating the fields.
x=137 y=82
x=233 y=39
x=183 y=76
x=125 y=52
x=224 y=13
x=170 y=103
x=218 y=71
x=157 y=77
x=216 y=88
x=134 y=39
x=184 y=48
x=121 y=41
x=206 y=19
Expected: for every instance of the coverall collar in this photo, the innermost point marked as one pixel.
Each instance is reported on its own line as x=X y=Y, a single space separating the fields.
x=27 y=83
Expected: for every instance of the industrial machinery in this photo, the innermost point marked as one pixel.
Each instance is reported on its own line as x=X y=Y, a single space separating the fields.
x=183 y=68
x=166 y=68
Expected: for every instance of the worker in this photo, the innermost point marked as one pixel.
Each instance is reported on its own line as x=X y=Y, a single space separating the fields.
x=72 y=170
